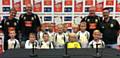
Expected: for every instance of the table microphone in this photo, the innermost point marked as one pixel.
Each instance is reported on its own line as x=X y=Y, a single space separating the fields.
x=97 y=55
x=33 y=50
x=66 y=51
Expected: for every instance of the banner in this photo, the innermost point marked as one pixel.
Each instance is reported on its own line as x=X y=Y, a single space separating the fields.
x=25 y=2
x=47 y=2
x=89 y=2
x=78 y=6
x=68 y=2
x=5 y=2
x=58 y=20
x=110 y=2
x=118 y=6
x=77 y=20
x=37 y=5
x=17 y=4
x=99 y=5
x=57 y=5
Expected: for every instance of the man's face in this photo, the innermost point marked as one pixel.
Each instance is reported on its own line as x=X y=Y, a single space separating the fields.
x=13 y=13
x=106 y=13
x=92 y=11
x=29 y=9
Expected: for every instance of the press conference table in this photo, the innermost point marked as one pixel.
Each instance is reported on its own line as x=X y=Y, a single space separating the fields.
x=58 y=53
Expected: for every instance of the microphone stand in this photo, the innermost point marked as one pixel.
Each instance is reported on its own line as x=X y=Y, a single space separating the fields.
x=98 y=55
x=33 y=51
x=118 y=54
x=66 y=52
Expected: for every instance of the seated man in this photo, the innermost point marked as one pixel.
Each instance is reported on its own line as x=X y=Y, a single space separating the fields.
x=73 y=41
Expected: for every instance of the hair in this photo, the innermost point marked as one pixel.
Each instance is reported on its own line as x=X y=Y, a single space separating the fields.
x=49 y=24
x=106 y=9
x=72 y=34
x=40 y=27
x=14 y=34
x=92 y=7
x=29 y=5
x=60 y=25
x=45 y=34
x=96 y=31
x=83 y=23
x=11 y=30
x=74 y=25
x=12 y=9
x=64 y=25
x=32 y=33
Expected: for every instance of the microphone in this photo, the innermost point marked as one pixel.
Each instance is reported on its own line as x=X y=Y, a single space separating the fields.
x=33 y=50
x=66 y=51
x=97 y=55
x=97 y=47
